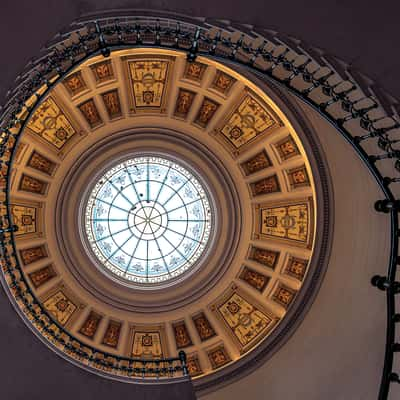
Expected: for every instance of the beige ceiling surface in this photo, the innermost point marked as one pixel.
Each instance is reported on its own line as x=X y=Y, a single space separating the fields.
x=252 y=138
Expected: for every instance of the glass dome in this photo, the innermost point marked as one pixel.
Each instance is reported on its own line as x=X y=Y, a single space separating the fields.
x=148 y=219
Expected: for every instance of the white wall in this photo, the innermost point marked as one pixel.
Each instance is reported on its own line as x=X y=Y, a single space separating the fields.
x=337 y=352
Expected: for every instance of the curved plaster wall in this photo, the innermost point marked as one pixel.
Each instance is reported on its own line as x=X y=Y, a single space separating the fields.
x=338 y=346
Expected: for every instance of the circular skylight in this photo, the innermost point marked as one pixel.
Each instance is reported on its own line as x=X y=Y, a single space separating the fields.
x=148 y=219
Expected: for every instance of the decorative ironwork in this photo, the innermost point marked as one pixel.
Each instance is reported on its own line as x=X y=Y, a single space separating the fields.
x=369 y=120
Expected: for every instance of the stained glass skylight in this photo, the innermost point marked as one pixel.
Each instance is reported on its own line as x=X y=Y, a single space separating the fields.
x=148 y=219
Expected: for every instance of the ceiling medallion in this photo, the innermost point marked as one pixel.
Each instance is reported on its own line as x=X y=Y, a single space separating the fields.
x=148 y=220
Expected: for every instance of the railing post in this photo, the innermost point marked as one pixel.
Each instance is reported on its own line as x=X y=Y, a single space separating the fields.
x=13 y=228
x=182 y=358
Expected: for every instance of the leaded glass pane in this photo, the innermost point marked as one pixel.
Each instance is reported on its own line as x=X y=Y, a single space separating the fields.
x=148 y=219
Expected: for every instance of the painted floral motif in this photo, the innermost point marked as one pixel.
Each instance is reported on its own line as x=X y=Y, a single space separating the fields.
x=91 y=324
x=112 y=333
x=284 y=295
x=193 y=365
x=41 y=163
x=102 y=71
x=112 y=103
x=266 y=257
x=42 y=275
x=255 y=279
x=296 y=267
x=75 y=83
x=222 y=82
x=298 y=177
x=207 y=110
x=33 y=254
x=287 y=148
x=194 y=71
x=90 y=112
x=265 y=186
x=218 y=357
x=184 y=102
x=256 y=163
x=182 y=337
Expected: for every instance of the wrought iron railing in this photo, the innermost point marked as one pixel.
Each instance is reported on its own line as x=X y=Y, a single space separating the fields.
x=365 y=115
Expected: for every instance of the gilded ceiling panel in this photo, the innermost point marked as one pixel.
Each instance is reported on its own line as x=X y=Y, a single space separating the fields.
x=112 y=334
x=51 y=124
x=42 y=275
x=256 y=163
x=291 y=222
x=249 y=120
x=147 y=344
x=41 y=163
x=26 y=218
x=148 y=77
x=246 y=321
x=60 y=306
x=32 y=254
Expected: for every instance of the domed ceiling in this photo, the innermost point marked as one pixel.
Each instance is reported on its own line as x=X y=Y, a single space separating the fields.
x=164 y=205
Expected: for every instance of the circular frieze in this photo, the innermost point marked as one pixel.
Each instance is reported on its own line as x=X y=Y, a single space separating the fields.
x=148 y=220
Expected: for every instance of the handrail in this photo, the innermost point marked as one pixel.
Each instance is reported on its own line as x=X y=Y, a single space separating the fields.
x=365 y=116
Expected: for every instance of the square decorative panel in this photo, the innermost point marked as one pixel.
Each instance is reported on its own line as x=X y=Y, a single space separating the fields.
x=112 y=103
x=182 y=337
x=287 y=148
x=284 y=295
x=244 y=319
x=249 y=120
x=269 y=258
x=194 y=71
x=32 y=185
x=51 y=124
x=203 y=327
x=102 y=71
x=33 y=254
x=218 y=356
x=112 y=334
x=90 y=113
x=42 y=275
x=254 y=278
x=60 y=306
x=298 y=177
x=184 y=102
x=75 y=83
x=41 y=163
x=91 y=324
x=207 y=110
x=222 y=82
x=193 y=365
x=25 y=217
x=296 y=267
x=292 y=221
x=265 y=186
x=256 y=163
x=149 y=78
x=147 y=344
